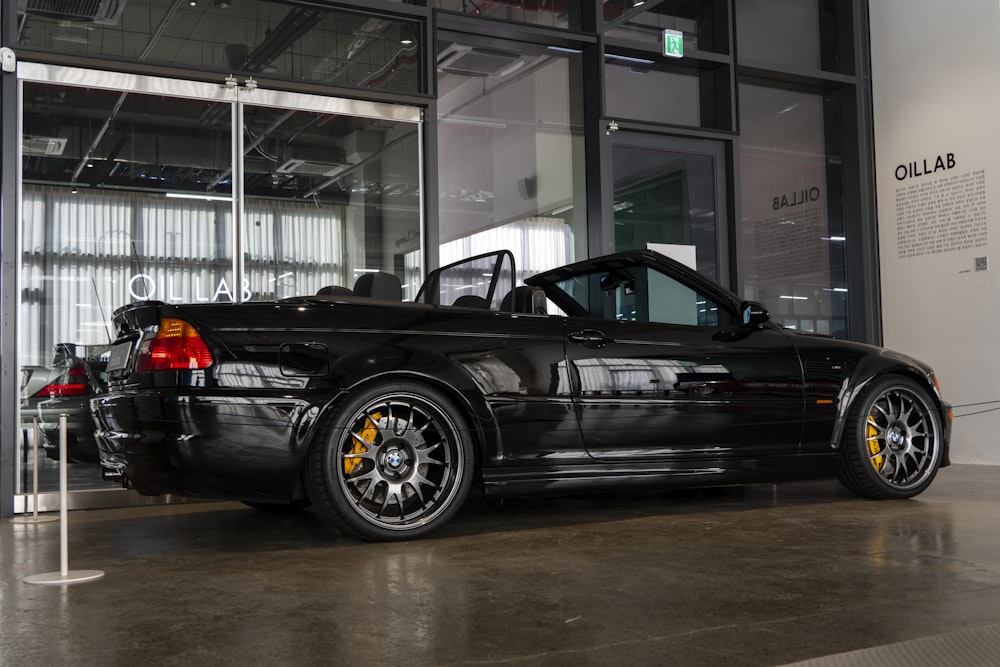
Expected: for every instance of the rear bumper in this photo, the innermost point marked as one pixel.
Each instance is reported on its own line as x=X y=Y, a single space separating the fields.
x=250 y=448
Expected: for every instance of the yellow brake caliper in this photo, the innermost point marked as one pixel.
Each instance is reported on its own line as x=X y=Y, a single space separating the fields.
x=367 y=435
x=873 y=447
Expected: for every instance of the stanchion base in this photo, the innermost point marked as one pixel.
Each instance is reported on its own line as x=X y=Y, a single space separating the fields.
x=71 y=577
x=33 y=519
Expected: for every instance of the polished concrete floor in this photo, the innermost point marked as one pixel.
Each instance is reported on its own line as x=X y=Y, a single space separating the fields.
x=757 y=576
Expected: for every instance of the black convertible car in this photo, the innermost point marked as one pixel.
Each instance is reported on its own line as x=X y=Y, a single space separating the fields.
x=623 y=370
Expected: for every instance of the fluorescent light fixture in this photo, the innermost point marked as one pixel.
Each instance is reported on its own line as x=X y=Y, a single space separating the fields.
x=629 y=59
x=834 y=289
x=474 y=122
x=833 y=238
x=561 y=209
x=563 y=49
x=794 y=298
x=192 y=195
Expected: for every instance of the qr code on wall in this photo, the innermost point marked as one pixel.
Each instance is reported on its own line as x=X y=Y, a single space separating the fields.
x=981 y=264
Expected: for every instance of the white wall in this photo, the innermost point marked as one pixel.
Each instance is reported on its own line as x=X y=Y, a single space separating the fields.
x=936 y=104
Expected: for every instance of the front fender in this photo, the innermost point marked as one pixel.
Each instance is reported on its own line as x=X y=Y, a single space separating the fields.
x=887 y=362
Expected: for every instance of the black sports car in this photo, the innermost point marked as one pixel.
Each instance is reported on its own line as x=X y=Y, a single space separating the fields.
x=623 y=370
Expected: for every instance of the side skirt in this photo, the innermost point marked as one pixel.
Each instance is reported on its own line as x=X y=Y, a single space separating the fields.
x=553 y=480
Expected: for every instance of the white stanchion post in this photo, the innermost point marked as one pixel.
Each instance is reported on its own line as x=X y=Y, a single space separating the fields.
x=36 y=435
x=64 y=576
x=63 y=497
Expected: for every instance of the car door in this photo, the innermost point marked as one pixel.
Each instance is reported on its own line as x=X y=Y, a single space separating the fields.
x=669 y=371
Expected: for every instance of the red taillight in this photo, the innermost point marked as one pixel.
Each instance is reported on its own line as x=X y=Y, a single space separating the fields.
x=70 y=387
x=177 y=347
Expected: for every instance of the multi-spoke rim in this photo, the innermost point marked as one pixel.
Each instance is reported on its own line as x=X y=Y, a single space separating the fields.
x=399 y=461
x=902 y=437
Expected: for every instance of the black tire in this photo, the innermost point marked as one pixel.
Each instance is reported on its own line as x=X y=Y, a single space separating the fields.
x=893 y=440
x=395 y=463
x=291 y=507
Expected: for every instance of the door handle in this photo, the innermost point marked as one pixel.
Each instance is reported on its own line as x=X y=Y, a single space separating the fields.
x=589 y=338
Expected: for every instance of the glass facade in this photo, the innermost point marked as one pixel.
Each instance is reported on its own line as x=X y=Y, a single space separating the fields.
x=701 y=22
x=132 y=193
x=792 y=243
x=206 y=150
x=510 y=147
x=267 y=38
x=548 y=13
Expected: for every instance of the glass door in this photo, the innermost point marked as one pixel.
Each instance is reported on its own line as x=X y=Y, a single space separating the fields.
x=670 y=195
x=135 y=187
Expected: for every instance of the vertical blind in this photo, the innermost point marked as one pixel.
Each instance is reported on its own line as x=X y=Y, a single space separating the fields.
x=85 y=254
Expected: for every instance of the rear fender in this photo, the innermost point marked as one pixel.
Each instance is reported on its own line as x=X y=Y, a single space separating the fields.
x=438 y=372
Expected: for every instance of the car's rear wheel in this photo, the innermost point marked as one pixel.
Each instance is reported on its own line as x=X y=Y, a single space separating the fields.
x=893 y=440
x=396 y=463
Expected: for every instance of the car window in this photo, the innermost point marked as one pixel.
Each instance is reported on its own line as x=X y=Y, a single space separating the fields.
x=477 y=282
x=640 y=294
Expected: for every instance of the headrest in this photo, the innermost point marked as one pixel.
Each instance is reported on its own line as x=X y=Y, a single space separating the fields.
x=471 y=301
x=525 y=299
x=331 y=290
x=379 y=285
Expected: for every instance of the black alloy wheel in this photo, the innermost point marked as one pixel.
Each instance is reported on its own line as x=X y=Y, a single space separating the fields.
x=893 y=441
x=396 y=463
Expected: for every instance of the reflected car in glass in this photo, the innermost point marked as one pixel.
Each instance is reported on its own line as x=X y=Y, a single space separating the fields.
x=624 y=371
x=77 y=374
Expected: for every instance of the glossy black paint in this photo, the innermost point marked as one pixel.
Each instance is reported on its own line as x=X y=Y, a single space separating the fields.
x=555 y=403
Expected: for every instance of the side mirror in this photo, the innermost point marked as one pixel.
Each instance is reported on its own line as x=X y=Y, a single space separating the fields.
x=753 y=314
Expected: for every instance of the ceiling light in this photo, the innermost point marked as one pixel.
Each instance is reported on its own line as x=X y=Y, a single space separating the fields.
x=195 y=195
x=406 y=37
x=628 y=59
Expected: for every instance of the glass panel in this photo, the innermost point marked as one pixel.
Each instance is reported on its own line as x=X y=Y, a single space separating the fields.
x=702 y=23
x=510 y=141
x=639 y=88
x=249 y=37
x=102 y=226
x=816 y=34
x=557 y=14
x=666 y=197
x=129 y=196
x=328 y=197
x=792 y=247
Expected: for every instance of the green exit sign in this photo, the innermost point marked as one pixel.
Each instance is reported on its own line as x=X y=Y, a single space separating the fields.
x=673 y=43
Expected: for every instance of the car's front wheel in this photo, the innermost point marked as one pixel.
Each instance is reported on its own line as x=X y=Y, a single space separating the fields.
x=893 y=441
x=396 y=463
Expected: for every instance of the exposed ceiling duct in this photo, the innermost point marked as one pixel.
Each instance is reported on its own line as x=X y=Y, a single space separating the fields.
x=475 y=61
x=106 y=12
